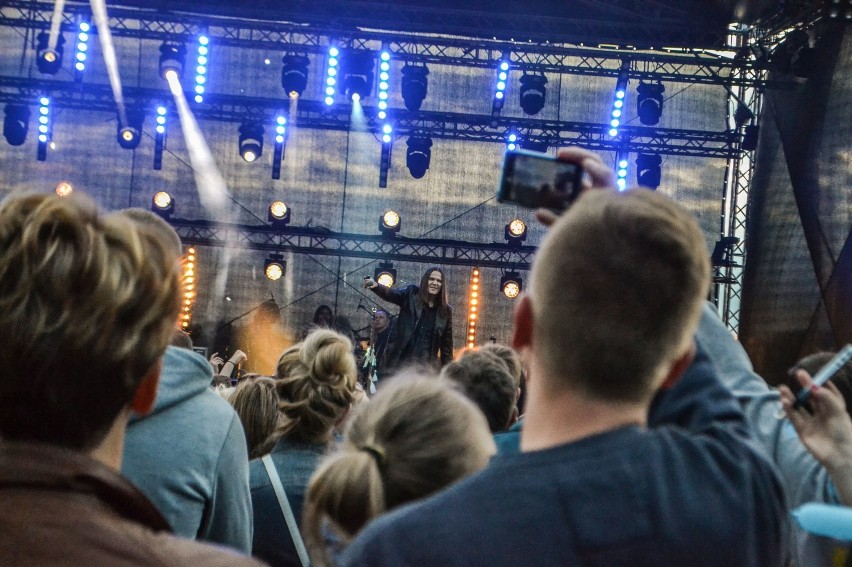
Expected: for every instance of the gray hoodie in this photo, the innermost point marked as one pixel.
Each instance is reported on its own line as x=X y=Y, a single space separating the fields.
x=189 y=456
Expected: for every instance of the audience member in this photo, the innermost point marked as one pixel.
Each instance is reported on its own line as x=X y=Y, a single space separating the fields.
x=509 y=357
x=88 y=304
x=414 y=438
x=181 y=339
x=606 y=328
x=825 y=430
x=804 y=478
x=256 y=403
x=485 y=379
x=316 y=386
x=373 y=365
x=509 y=441
x=188 y=455
x=226 y=373
x=811 y=364
x=323 y=319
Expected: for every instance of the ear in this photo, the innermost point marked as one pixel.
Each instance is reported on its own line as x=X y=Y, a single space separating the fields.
x=522 y=324
x=679 y=367
x=146 y=394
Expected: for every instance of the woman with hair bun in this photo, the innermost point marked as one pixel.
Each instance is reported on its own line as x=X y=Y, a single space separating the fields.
x=415 y=437
x=316 y=386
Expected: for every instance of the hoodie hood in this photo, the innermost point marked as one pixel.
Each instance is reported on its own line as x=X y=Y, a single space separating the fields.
x=185 y=374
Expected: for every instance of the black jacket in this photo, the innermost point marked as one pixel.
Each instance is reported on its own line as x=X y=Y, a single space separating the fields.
x=403 y=331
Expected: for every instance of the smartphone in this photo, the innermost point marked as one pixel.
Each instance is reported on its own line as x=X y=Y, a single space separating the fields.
x=825 y=373
x=533 y=179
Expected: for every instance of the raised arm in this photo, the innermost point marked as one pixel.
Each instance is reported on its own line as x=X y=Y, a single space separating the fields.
x=392 y=295
x=826 y=433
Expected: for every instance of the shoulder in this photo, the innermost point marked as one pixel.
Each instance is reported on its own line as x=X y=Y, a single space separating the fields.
x=171 y=550
x=426 y=532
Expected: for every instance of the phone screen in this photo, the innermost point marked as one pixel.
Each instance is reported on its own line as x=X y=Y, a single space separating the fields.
x=537 y=180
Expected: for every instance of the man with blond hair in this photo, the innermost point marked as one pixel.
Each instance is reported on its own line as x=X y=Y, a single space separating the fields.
x=624 y=459
x=88 y=303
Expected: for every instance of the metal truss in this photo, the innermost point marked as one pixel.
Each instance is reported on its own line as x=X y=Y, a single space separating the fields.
x=673 y=65
x=322 y=242
x=441 y=125
x=738 y=174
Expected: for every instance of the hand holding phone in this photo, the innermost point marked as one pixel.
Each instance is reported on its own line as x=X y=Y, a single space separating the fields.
x=595 y=176
x=535 y=180
x=824 y=374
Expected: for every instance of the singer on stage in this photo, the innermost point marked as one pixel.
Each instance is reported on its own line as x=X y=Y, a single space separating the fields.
x=424 y=327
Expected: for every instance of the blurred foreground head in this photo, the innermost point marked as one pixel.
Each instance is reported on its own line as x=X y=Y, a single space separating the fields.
x=88 y=303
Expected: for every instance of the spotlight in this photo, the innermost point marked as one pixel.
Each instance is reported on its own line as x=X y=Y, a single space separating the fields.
x=648 y=171
x=63 y=188
x=749 y=142
x=294 y=74
x=621 y=171
x=385 y=274
x=251 y=141
x=512 y=141
x=163 y=204
x=389 y=223
x=649 y=102
x=618 y=98
x=511 y=284
x=385 y=160
x=742 y=115
x=331 y=74
x=279 y=214
x=202 y=64
x=418 y=156
x=414 y=85
x=44 y=128
x=130 y=135
x=274 y=267
x=516 y=232
x=172 y=56
x=384 y=77
x=357 y=67
x=278 y=147
x=533 y=92
x=160 y=137
x=534 y=145
x=82 y=48
x=500 y=90
x=16 y=124
x=49 y=61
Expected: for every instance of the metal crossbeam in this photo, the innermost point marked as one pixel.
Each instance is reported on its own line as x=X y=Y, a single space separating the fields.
x=321 y=242
x=680 y=65
x=441 y=125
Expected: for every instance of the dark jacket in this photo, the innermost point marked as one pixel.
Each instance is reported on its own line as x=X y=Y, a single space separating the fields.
x=403 y=330
x=60 y=507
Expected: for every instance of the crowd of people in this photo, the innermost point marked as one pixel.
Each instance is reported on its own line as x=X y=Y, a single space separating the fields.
x=624 y=424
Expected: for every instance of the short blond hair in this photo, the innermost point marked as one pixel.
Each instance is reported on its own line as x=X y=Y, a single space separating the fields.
x=316 y=385
x=508 y=356
x=88 y=303
x=616 y=292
